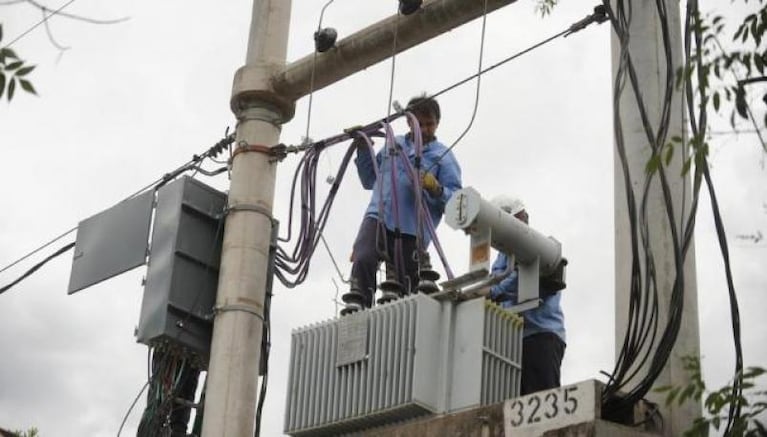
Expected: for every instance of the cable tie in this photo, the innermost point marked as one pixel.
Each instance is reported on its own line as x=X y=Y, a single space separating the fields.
x=250 y=309
x=246 y=148
x=248 y=207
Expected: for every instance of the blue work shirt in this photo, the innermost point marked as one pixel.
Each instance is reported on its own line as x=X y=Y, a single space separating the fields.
x=548 y=317
x=447 y=172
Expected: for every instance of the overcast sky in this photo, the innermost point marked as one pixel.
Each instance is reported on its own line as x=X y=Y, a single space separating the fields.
x=131 y=101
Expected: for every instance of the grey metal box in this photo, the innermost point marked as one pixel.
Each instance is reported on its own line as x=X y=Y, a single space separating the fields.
x=180 y=289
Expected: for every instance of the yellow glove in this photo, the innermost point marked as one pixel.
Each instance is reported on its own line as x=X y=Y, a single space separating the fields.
x=430 y=184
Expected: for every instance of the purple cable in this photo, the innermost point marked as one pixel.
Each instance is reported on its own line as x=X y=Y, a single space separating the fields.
x=391 y=147
x=427 y=220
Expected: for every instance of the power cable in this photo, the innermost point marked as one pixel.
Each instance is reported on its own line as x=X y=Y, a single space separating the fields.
x=133 y=404
x=311 y=78
x=393 y=64
x=635 y=339
x=479 y=79
x=599 y=16
x=37 y=266
x=693 y=14
x=55 y=239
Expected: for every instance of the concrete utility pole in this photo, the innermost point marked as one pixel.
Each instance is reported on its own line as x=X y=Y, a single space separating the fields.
x=231 y=394
x=263 y=98
x=647 y=52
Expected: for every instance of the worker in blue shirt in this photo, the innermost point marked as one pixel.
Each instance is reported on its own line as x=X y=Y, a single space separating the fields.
x=391 y=216
x=543 y=344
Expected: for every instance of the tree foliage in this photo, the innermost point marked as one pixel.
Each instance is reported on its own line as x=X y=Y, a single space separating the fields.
x=717 y=402
x=729 y=62
x=13 y=72
x=544 y=7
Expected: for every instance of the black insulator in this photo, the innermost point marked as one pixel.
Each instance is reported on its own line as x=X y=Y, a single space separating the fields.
x=351 y=308
x=325 y=39
x=388 y=296
x=428 y=274
x=391 y=286
x=354 y=300
x=427 y=287
x=407 y=7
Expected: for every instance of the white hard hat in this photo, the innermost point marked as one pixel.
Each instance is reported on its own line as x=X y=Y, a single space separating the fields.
x=512 y=205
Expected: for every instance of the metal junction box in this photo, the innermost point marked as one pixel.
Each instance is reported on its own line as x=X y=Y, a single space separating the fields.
x=411 y=357
x=182 y=276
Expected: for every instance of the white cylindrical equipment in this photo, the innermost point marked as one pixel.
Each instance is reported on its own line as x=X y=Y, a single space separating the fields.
x=467 y=210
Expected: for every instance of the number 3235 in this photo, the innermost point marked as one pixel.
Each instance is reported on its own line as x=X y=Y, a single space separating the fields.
x=536 y=407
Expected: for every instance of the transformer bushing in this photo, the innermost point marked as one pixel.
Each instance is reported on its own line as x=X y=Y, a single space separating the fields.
x=391 y=288
x=354 y=299
x=427 y=277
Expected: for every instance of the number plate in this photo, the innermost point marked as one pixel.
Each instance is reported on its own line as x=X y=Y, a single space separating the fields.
x=536 y=413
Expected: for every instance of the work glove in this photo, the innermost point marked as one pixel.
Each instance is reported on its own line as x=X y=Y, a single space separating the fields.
x=430 y=184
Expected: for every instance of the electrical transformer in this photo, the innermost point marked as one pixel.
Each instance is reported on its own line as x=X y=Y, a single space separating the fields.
x=412 y=357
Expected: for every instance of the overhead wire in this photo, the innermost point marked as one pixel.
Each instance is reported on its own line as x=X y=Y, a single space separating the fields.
x=38 y=249
x=37 y=266
x=566 y=32
x=133 y=404
x=479 y=79
x=393 y=65
x=311 y=77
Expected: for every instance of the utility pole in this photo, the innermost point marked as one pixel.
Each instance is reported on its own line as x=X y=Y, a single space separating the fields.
x=263 y=98
x=647 y=52
x=231 y=394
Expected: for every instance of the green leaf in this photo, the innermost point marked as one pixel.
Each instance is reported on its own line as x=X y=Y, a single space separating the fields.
x=672 y=395
x=14 y=65
x=27 y=86
x=754 y=372
x=24 y=71
x=715 y=421
x=738 y=32
x=663 y=388
x=686 y=166
x=669 y=153
x=11 y=89
x=716 y=101
x=676 y=139
x=8 y=53
x=652 y=167
x=2 y=84
x=1 y=32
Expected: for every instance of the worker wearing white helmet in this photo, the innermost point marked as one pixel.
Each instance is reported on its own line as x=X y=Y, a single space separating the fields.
x=543 y=344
